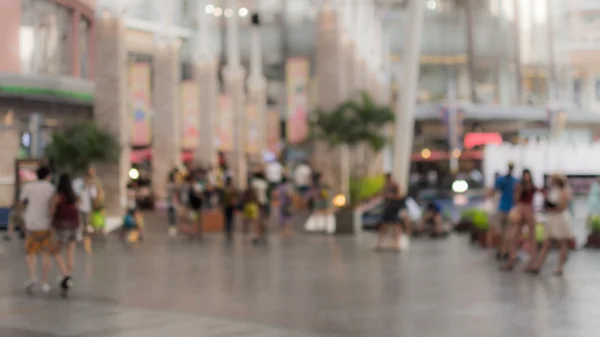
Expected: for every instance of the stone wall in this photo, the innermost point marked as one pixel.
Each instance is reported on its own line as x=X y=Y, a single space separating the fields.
x=10 y=140
x=166 y=142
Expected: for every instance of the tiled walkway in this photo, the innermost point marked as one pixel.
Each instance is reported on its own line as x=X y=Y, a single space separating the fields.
x=310 y=286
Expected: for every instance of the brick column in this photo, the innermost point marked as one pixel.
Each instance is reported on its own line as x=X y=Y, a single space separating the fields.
x=110 y=107
x=166 y=140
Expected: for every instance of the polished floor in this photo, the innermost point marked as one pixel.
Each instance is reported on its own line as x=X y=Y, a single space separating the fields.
x=309 y=286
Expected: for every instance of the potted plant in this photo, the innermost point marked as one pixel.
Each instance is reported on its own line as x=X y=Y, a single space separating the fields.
x=593 y=239
x=76 y=147
x=357 y=125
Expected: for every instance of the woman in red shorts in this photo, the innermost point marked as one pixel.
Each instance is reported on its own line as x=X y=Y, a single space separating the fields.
x=521 y=215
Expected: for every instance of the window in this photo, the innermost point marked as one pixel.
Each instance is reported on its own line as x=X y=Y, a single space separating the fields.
x=45 y=38
x=84 y=47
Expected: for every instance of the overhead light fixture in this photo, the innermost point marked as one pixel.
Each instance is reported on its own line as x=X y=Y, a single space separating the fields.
x=209 y=9
x=243 y=12
x=431 y=5
x=228 y=12
x=217 y=12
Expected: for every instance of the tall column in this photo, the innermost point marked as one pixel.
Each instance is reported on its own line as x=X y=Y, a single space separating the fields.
x=166 y=140
x=405 y=119
x=329 y=70
x=257 y=82
x=234 y=74
x=207 y=78
x=110 y=105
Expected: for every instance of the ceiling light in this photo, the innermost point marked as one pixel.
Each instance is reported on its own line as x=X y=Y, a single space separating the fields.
x=228 y=12
x=431 y=5
x=218 y=11
x=243 y=12
x=209 y=9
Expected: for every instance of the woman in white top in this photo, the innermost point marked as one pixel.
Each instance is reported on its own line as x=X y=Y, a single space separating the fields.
x=558 y=227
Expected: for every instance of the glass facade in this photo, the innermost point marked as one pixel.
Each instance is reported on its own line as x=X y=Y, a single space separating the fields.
x=45 y=38
x=46 y=43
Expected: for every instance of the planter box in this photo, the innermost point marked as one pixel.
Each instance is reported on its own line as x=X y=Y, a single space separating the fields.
x=593 y=240
x=345 y=221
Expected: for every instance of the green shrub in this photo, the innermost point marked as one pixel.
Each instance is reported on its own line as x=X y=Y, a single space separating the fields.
x=595 y=223
x=481 y=220
x=366 y=188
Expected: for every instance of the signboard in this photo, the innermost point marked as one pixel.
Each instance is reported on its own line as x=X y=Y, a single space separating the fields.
x=226 y=125
x=297 y=77
x=273 y=130
x=139 y=103
x=253 y=145
x=190 y=111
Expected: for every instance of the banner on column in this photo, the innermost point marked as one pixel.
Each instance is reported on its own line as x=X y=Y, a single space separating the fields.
x=273 y=131
x=253 y=146
x=298 y=77
x=225 y=123
x=139 y=103
x=190 y=113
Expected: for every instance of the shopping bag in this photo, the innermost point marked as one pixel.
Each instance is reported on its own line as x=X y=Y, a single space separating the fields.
x=97 y=220
x=329 y=223
x=414 y=211
x=311 y=223
x=404 y=242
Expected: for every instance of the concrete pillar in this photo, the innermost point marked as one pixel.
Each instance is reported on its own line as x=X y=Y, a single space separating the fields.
x=329 y=72
x=234 y=75
x=257 y=83
x=110 y=106
x=207 y=78
x=405 y=120
x=166 y=140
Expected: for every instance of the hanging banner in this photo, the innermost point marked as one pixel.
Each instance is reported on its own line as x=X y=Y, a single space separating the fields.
x=190 y=111
x=139 y=103
x=273 y=130
x=253 y=146
x=297 y=77
x=225 y=142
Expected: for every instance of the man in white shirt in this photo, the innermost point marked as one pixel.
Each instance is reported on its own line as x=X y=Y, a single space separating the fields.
x=37 y=199
x=86 y=191
x=302 y=178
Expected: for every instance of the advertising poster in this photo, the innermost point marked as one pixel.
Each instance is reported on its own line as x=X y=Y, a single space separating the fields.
x=273 y=130
x=253 y=146
x=190 y=115
x=139 y=81
x=298 y=77
x=225 y=133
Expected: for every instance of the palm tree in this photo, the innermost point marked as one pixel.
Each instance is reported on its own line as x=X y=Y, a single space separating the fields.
x=358 y=125
x=77 y=147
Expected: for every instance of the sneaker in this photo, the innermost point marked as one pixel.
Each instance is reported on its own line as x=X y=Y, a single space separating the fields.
x=44 y=287
x=30 y=285
x=66 y=283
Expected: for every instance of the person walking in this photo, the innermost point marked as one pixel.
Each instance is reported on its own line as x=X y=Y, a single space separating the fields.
x=394 y=213
x=87 y=191
x=36 y=198
x=229 y=203
x=504 y=186
x=558 y=227
x=66 y=218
